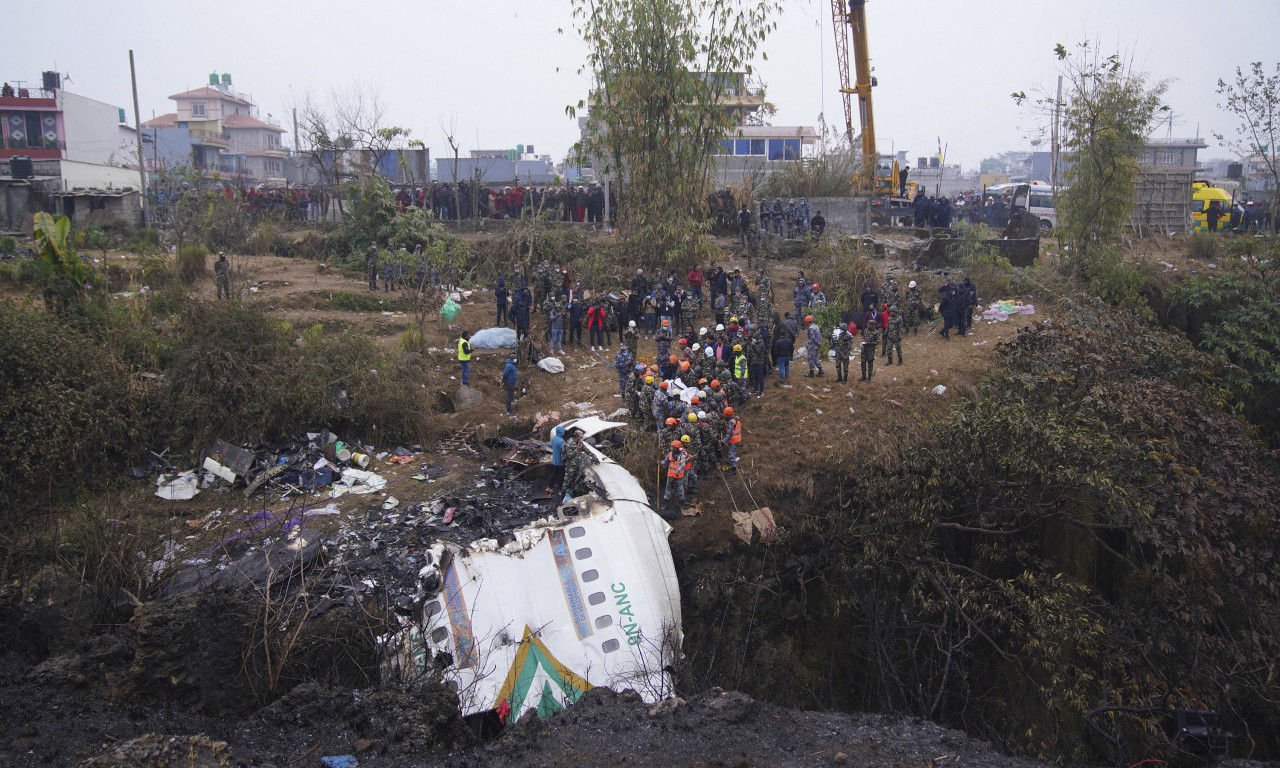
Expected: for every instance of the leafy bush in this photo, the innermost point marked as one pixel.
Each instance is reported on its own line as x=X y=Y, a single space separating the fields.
x=265 y=240
x=67 y=410
x=143 y=242
x=1095 y=526
x=1204 y=245
x=192 y=263
x=235 y=373
x=8 y=244
x=351 y=301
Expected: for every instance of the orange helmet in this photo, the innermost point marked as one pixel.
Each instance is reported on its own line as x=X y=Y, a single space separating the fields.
x=663 y=385
x=675 y=443
x=684 y=365
x=672 y=359
x=808 y=318
x=671 y=421
x=665 y=322
x=703 y=380
x=728 y=411
x=715 y=383
x=694 y=399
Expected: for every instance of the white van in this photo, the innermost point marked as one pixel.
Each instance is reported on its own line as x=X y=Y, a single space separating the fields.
x=1037 y=197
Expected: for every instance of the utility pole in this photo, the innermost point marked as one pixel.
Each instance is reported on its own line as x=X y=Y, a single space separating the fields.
x=1053 y=150
x=137 y=129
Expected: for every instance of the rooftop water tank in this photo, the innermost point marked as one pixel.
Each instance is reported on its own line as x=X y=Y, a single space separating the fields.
x=213 y=78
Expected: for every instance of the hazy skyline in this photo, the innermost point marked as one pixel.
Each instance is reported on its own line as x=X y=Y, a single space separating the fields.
x=501 y=74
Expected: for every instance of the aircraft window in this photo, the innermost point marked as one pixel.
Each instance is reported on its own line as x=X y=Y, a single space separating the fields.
x=604 y=621
x=440 y=635
x=432 y=608
x=609 y=646
x=577 y=532
x=583 y=554
x=590 y=575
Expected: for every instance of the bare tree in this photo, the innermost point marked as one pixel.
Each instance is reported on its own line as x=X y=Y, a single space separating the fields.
x=1253 y=97
x=353 y=117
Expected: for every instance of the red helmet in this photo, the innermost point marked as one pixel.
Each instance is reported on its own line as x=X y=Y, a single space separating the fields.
x=815 y=286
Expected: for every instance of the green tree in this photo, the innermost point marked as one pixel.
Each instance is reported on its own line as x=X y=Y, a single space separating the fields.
x=67 y=275
x=1236 y=316
x=1254 y=98
x=1107 y=112
x=662 y=70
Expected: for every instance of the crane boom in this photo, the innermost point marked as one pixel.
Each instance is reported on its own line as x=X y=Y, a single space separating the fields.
x=850 y=20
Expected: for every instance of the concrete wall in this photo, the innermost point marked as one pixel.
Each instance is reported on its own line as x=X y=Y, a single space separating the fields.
x=93 y=175
x=844 y=215
x=93 y=131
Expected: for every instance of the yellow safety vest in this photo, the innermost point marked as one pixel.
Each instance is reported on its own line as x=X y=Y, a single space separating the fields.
x=463 y=356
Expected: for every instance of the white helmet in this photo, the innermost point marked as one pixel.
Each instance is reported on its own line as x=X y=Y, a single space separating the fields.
x=631 y=323
x=696 y=346
x=702 y=415
x=719 y=326
x=911 y=284
x=710 y=352
x=702 y=331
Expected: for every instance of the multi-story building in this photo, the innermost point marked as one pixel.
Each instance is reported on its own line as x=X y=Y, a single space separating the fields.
x=57 y=147
x=226 y=137
x=752 y=149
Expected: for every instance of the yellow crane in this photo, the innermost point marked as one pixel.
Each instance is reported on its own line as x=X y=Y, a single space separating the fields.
x=876 y=176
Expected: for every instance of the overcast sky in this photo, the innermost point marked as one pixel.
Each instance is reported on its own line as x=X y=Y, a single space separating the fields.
x=498 y=73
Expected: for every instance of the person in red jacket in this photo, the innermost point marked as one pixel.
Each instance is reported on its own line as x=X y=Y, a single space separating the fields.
x=695 y=283
x=595 y=324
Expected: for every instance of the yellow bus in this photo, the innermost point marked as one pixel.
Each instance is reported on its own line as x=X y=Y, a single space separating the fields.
x=1202 y=194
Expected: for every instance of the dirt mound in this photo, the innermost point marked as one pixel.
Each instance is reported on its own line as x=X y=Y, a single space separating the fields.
x=158 y=750
x=726 y=728
x=409 y=721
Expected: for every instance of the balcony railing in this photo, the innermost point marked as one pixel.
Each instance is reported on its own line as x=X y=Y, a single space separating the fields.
x=26 y=143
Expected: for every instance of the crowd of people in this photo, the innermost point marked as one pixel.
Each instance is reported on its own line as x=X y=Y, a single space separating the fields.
x=468 y=200
x=1241 y=216
x=690 y=350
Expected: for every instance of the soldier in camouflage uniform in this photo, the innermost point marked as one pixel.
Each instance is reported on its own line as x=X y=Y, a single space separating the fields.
x=915 y=308
x=663 y=338
x=742 y=304
x=646 y=400
x=542 y=283
x=371 y=265
x=890 y=293
x=709 y=429
x=631 y=337
x=222 y=276
x=894 y=334
x=870 y=337
x=622 y=363
x=691 y=436
x=844 y=349
x=764 y=296
x=669 y=430
x=575 y=463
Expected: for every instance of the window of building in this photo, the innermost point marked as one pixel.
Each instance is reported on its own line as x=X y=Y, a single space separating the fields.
x=748 y=146
x=197 y=109
x=726 y=147
x=784 y=149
